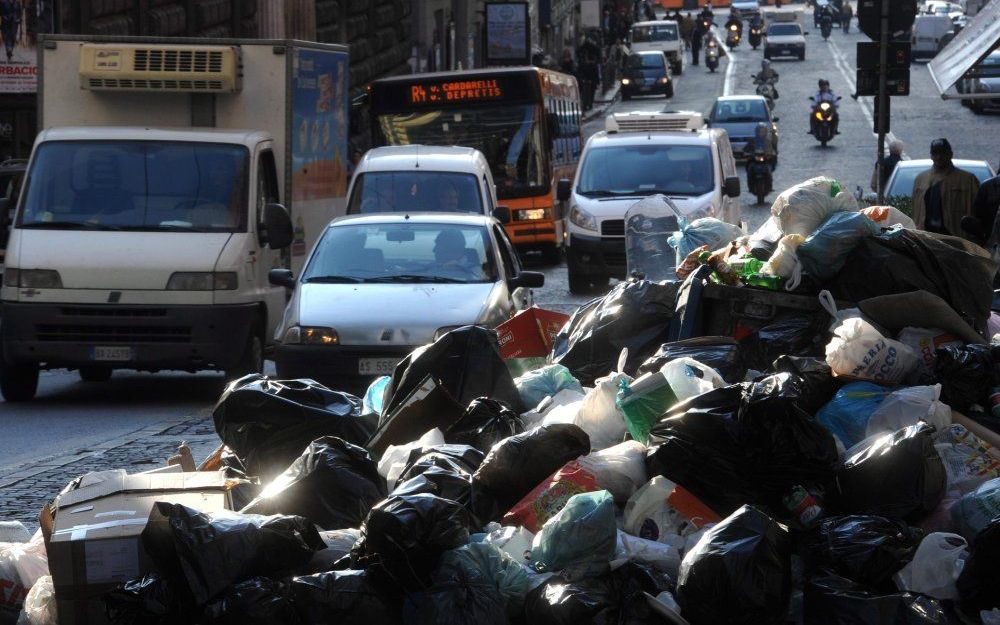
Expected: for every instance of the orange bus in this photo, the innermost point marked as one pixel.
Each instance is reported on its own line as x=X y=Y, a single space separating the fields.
x=526 y=120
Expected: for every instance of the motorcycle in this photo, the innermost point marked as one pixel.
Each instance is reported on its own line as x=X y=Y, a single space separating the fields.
x=826 y=25
x=733 y=35
x=712 y=55
x=759 y=178
x=823 y=120
x=756 y=33
x=765 y=89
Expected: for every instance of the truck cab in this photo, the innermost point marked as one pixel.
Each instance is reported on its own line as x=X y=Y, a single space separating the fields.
x=663 y=36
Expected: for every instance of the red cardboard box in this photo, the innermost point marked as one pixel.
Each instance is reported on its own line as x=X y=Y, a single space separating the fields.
x=530 y=333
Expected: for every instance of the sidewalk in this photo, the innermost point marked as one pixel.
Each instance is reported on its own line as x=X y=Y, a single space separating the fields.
x=602 y=103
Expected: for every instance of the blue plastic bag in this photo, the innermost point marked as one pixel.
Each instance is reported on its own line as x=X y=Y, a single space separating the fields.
x=534 y=386
x=847 y=414
x=825 y=251
x=705 y=231
x=580 y=540
x=374 y=399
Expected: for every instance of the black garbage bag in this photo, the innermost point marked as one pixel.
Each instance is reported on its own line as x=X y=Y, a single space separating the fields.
x=336 y=555
x=818 y=382
x=739 y=572
x=868 y=550
x=519 y=463
x=485 y=423
x=721 y=353
x=634 y=315
x=432 y=386
x=792 y=332
x=344 y=598
x=148 y=600
x=746 y=443
x=256 y=601
x=457 y=487
x=405 y=535
x=979 y=583
x=333 y=484
x=901 y=261
x=967 y=374
x=461 y=593
x=269 y=422
x=899 y=476
x=462 y=459
x=208 y=553
x=833 y=600
x=615 y=598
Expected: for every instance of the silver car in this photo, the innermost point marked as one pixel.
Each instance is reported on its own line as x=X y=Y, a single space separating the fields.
x=983 y=78
x=377 y=286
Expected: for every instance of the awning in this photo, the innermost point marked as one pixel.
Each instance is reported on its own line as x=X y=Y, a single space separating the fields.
x=969 y=47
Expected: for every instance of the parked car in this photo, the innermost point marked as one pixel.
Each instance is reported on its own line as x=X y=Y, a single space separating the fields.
x=983 y=78
x=375 y=287
x=784 y=39
x=739 y=115
x=646 y=73
x=900 y=182
x=930 y=34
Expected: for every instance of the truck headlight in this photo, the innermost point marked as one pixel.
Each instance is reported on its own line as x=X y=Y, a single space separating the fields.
x=582 y=219
x=310 y=335
x=202 y=281
x=32 y=278
x=530 y=214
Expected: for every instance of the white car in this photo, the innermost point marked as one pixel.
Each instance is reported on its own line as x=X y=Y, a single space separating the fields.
x=900 y=182
x=744 y=9
x=784 y=39
x=375 y=287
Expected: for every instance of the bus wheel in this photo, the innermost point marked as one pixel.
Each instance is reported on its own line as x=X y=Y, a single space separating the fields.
x=551 y=254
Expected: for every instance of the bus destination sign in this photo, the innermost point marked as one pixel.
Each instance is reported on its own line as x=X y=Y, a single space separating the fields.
x=456 y=91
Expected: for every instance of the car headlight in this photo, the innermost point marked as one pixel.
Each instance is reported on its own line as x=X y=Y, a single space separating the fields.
x=32 y=278
x=664 y=80
x=626 y=81
x=310 y=335
x=582 y=219
x=202 y=281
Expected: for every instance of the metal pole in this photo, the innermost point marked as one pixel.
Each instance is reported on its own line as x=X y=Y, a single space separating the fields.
x=883 y=94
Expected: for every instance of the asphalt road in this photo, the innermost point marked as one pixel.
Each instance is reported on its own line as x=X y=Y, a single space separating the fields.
x=69 y=414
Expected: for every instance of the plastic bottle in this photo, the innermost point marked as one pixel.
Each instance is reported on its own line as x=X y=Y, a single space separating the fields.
x=723 y=271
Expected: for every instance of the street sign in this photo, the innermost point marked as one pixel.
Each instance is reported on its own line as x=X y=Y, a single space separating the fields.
x=897 y=56
x=897 y=82
x=901 y=16
x=888 y=108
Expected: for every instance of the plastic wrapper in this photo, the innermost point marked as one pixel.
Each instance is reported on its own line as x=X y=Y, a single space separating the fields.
x=333 y=484
x=977 y=509
x=858 y=350
x=549 y=497
x=269 y=422
x=833 y=600
x=256 y=601
x=665 y=557
x=374 y=399
x=980 y=578
x=739 y=572
x=633 y=315
x=847 y=414
x=897 y=475
x=824 y=252
x=208 y=553
x=721 y=353
x=968 y=459
x=908 y=405
x=534 y=386
x=662 y=511
x=889 y=216
x=40 y=604
x=936 y=566
x=517 y=464
x=746 y=443
x=967 y=374
x=580 y=540
x=405 y=535
x=925 y=342
x=485 y=423
x=709 y=231
x=346 y=597
x=868 y=550
x=800 y=209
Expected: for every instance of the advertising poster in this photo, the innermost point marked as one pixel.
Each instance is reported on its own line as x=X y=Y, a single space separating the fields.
x=507 y=33
x=20 y=23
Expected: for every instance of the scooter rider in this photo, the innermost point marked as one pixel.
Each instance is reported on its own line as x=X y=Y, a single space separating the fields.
x=825 y=94
x=762 y=143
x=735 y=21
x=768 y=75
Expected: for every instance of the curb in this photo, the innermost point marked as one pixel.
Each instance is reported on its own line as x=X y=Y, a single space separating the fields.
x=601 y=107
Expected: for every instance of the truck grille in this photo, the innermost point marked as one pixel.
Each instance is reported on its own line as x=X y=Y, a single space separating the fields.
x=113 y=333
x=199 y=61
x=113 y=312
x=613 y=228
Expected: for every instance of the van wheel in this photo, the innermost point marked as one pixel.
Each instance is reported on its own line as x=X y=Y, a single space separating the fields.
x=18 y=382
x=578 y=284
x=95 y=374
x=551 y=254
x=252 y=360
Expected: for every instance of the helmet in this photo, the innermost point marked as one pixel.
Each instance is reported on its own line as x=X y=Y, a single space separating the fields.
x=823 y=82
x=765 y=65
x=761 y=129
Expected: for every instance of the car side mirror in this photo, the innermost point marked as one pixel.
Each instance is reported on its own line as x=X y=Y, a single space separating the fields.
x=731 y=186
x=528 y=280
x=281 y=277
x=278 y=233
x=502 y=214
x=564 y=189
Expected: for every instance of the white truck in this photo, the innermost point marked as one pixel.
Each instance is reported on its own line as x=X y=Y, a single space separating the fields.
x=155 y=202
x=661 y=36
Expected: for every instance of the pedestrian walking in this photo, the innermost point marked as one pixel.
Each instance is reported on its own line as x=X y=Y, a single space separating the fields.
x=697 y=34
x=943 y=194
x=566 y=63
x=984 y=209
x=687 y=27
x=10 y=24
x=888 y=164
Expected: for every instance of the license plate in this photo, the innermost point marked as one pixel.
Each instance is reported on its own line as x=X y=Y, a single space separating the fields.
x=377 y=366
x=114 y=353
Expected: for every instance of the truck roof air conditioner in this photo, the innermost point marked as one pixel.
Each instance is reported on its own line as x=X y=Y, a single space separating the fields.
x=177 y=68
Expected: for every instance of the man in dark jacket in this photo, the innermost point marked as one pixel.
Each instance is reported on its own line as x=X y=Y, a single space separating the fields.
x=984 y=209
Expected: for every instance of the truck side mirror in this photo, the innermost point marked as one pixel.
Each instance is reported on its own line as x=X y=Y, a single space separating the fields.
x=281 y=277
x=502 y=214
x=278 y=233
x=731 y=186
x=564 y=188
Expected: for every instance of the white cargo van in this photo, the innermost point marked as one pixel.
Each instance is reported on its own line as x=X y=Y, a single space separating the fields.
x=139 y=247
x=930 y=34
x=641 y=154
x=662 y=37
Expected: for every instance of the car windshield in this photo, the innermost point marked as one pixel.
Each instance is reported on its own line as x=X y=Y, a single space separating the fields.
x=510 y=136
x=739 y=111
x=137 y=185
x=655 y=32
x=647 y=169
x=402 y=252
x=406 y=191
x=902 y=183
x=779 y=30
x=646 y=61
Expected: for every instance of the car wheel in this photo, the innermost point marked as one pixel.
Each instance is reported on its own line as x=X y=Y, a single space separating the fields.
x=95 y=374
x=18 y=382
x=252 y=360
x=802 y=55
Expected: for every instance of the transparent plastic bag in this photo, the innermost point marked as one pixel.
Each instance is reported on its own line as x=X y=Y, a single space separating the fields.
x=889 y=216
x=580 y=541
x=374 y=399
x=40 y=604
x=620 y=470
x=704 y=231
x=599 y=417
x=514 y=541
x=661 y=556
x=534 y=386
x=935 y=567
x=907 y=406
x=784 y=262
x=689 y=378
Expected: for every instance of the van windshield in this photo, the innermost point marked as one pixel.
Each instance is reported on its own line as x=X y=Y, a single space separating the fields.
x=655 y=32
x=406 y=191
x=647 y=169
x=137 y=185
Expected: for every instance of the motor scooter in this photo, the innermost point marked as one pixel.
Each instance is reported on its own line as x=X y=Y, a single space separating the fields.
x=765 y=89
x=734 y=33
x=759 y=177
x=712 y=55
x=823 y=120
x=756 y=34
x=825 y=25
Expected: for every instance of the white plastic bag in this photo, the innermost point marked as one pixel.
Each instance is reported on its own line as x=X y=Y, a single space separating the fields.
x=925 y=342
x=14 y=532
x=906 y=406
x=21 y=564
x=784 y=262
x=650 y=515
x=599 y=417
x=889 y=216
x=533 y=418
x=514 y=541
x=393 y=461
x=935 y=567
x=802 y=208
x=968 y=459
x=40 y=604
x=660 y=556
x=990 y=617
x=620 y=470
x=858 y=350
x=839 y=316
x=689 y=378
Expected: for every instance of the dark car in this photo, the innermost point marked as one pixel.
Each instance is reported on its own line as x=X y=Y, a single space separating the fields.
x=646 y=73
x=739 y=116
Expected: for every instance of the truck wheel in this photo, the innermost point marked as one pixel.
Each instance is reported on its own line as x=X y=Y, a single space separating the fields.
x=95 y=374
x=252 y=360
x=18 y=382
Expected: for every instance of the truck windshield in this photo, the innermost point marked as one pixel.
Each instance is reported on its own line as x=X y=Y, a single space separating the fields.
x=657 y=32
x=406 y=191
x=137 y=185
x=630 y=170
x=510 y=136
x=402 y=252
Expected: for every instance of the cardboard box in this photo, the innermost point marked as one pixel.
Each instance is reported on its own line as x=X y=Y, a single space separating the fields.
x=96 y=533
x=530 y=333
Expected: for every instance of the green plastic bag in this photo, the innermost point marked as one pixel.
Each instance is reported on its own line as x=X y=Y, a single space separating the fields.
x=643 y=402
x=580 y=540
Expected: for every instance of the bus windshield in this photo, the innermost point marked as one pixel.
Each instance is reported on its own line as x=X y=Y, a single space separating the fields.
x=510 y=136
